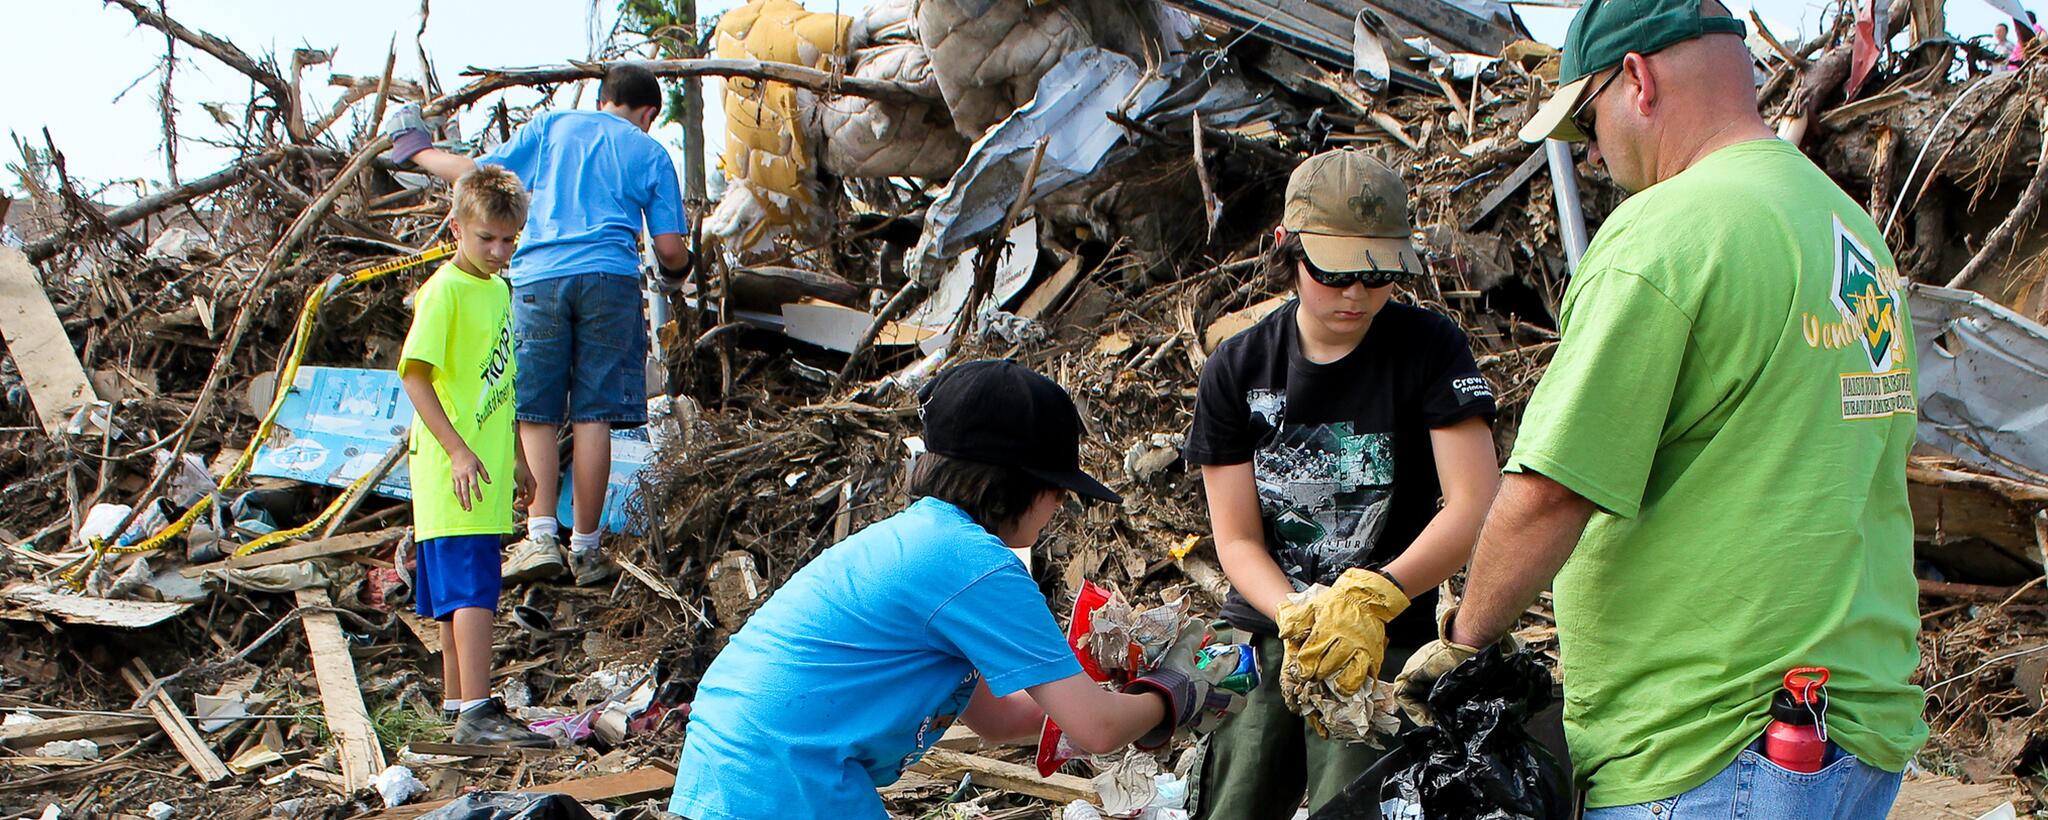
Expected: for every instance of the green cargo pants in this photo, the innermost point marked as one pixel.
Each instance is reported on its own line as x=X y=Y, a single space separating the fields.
x=1262 y=759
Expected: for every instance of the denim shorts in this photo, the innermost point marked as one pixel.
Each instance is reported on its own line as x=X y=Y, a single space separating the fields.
x=456 y=572
x=1846 y=788
x=582 y=349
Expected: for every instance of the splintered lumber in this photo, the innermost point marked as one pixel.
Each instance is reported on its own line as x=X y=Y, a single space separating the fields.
x=1012 y=777
x=647 y=781
x=1050 y=291
x=75 y=727
x=341 y=696
x=184 y=736
x=56 y=382
x=323 y=548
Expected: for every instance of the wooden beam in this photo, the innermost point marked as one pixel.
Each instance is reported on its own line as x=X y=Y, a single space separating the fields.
x=323 y=548
x=341 y=696
x=75 y=727
x=184 y=736
x=1507 y=188
x=1050 y=291
x=1979 y=593
x=648 y=781
x=1012 y=777
x=56 y=381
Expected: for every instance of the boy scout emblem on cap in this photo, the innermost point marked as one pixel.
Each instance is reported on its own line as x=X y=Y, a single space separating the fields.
x=1869 y=303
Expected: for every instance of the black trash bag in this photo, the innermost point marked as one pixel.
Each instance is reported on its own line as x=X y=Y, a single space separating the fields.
x=511 y=806
x=1477 y=761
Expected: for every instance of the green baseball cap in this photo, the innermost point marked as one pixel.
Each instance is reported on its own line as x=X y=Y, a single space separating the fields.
x=1603 y=32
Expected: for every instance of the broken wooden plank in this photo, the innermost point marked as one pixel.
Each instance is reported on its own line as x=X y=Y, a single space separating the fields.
x=323 y=548
x=80 y=609
x=75 y=727
x=1507 y=188
x=56 y=381
x=184 y=736
x=425 y=629
x=1233 y=323
x=648 y=781
x=341 y=696
x=1981 y=593
x=1050 y=291
x=421 y=747
x=1012 y=777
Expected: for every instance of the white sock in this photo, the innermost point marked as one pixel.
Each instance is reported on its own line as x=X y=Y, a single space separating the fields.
x=472 y=704
x=451 y=705
x=543 y=525
x=584 y=542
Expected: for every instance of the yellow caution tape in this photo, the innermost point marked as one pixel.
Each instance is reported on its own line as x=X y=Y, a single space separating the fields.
x=302 y=336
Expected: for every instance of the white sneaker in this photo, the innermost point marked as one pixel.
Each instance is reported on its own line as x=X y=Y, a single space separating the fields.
x=534 y=558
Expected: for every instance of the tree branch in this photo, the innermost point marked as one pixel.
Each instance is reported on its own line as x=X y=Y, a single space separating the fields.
x=224 y=51
x=48 y=246
x=494 y=79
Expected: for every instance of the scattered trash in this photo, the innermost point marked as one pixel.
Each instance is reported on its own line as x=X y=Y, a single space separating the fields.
x=160 y=810
x=1476 y=760
x=397 y=785
x=70 y=749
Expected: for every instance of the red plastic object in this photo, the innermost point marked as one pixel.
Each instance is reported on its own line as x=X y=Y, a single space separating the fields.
x=1797 y=737
x=1052 y=751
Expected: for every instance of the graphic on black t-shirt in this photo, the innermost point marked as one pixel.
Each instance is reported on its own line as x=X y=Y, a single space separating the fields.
x=1324 y=491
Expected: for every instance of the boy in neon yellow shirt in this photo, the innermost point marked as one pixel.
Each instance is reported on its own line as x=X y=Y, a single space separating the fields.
x=458 y=369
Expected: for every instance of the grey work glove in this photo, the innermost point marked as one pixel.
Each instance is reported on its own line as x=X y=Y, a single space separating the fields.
x=1201 y=687
x=408 y=132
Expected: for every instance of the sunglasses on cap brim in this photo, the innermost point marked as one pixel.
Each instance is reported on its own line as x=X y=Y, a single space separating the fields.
x=1371 y=277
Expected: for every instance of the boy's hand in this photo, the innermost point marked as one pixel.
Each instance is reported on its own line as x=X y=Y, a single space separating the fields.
x=522 y=480
x=408 y=133
x=470 y=476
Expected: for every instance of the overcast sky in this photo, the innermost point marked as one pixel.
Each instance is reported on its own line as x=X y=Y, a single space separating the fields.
x=86 y=72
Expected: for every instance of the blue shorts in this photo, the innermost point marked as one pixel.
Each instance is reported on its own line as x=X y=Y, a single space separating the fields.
x=456 y=572
x=582 y=349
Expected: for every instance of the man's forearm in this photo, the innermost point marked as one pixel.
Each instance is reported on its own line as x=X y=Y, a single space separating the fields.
x=1530 y=531
x=447 y=165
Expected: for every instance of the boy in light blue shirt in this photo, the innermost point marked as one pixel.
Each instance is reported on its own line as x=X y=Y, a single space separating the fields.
x=596 y=180
x=861 y=661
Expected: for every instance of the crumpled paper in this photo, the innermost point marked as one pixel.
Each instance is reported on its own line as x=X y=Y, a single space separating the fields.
x=1367 y=716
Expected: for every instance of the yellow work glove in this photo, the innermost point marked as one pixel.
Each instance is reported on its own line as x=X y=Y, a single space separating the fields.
x=1433 y=661
x=1339 y=637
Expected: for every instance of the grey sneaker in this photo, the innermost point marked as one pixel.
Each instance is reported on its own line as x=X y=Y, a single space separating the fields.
x=534 y=558
x=591 y=567
x=489 y=725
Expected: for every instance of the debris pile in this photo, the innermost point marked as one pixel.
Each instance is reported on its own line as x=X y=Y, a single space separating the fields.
x=1086 y=187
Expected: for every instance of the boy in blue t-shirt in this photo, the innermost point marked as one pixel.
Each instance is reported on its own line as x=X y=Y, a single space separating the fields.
x=597 y=179
x=861 y=661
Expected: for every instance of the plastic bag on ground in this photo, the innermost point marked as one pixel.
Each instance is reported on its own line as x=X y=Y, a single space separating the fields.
x=511 y=806
x=1477 y=761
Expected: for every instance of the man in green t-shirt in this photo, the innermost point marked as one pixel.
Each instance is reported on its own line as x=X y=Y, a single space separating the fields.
x=1713 y=469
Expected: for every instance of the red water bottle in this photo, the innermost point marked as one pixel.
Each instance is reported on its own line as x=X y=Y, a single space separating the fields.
x=1797 y=738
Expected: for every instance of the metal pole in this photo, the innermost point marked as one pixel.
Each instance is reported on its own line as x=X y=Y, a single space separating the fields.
x=1571 y=218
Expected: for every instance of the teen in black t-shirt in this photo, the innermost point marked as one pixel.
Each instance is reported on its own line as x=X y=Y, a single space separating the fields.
x=1342 y=431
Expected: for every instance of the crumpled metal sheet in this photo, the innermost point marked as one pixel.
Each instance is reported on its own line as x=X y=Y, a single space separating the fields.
x=1983 y=382
x=1070 y=112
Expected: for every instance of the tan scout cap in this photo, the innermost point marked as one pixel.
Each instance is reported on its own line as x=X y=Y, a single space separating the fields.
x=1352 y=214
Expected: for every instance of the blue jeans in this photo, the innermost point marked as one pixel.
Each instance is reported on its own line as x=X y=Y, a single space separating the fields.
x=582 y=349
x=1844 y=789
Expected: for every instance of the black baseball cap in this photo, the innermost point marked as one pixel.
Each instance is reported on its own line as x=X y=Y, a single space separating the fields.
x=996 y=411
